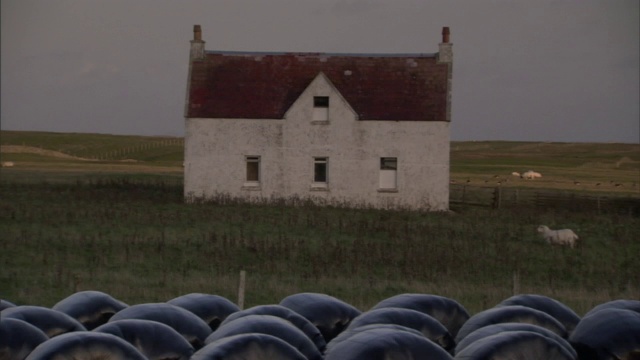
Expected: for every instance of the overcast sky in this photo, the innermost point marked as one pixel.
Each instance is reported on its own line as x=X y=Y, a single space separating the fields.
x=523 y=70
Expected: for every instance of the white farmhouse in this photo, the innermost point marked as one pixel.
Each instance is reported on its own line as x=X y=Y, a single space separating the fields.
x=350 y=129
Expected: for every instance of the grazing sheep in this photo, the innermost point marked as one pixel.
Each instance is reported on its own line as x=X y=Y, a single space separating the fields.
x=530 y=175
x=558 y=237
x=515 y=173
x=8 y=164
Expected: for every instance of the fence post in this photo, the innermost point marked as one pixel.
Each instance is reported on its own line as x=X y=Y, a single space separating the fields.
x=515 y=288
x=241 y=286
x=496 y=197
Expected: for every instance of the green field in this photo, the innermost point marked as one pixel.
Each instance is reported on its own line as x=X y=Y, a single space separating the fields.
x=613 y=168
x=106 y=213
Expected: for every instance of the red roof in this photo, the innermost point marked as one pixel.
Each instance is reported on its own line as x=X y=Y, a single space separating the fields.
x=265 y=85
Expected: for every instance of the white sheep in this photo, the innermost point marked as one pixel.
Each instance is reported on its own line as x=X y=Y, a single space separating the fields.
x=530 y=175
x=558 y=237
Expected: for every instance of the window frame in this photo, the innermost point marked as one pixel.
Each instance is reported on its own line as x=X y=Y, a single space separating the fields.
x=318 y=161
x=388 y=172
x=320 y=101
x=249 y=160
x=320 y=109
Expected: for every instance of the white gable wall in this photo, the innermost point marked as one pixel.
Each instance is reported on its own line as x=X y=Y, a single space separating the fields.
x=215 y=150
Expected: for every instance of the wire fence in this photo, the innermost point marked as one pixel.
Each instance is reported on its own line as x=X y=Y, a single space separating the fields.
x=500 y=197
x=123 y=153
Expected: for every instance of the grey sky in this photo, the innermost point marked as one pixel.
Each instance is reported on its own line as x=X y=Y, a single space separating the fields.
x=523 y=70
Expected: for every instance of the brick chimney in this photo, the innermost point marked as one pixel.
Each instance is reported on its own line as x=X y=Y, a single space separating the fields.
x=445 y=54
x=197 y=45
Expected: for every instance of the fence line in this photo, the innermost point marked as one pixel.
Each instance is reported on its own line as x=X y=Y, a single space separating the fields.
x=122 y=152
x=501 y=197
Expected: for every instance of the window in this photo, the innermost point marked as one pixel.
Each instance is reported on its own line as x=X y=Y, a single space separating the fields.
x=253 y=169
x=320 y=170
x=321 y=101
x=320 y=108
x=388 y=173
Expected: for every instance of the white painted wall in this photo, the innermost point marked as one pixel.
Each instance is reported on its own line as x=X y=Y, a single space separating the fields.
x=215 y=151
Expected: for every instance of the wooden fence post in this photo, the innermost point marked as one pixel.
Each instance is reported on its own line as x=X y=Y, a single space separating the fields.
x=241 y=286
x=515 y=288
x=496 y=197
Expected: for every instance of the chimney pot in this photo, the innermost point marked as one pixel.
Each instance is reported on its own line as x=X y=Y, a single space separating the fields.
x=197 y=33
x=445 y=34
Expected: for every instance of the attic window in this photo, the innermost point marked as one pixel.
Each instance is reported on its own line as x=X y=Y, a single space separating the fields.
x=321 y=101
x=320 y=108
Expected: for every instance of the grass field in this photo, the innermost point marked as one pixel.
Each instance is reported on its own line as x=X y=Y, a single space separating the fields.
x=611 y=168
x=94 y=221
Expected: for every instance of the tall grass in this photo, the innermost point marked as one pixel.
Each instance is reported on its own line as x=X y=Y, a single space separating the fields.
x=136 y=239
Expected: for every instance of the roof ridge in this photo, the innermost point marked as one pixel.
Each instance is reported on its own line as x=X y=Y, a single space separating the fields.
x=317 y=54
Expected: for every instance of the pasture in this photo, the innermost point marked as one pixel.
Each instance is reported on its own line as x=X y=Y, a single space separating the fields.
x=101 y=212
